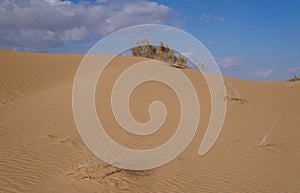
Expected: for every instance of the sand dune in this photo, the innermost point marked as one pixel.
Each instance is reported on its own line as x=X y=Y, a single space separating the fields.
x=41 y=150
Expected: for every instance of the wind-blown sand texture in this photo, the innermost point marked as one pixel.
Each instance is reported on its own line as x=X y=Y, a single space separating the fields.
x=41 y=150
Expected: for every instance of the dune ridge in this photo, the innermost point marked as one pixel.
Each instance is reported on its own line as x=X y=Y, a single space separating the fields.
x=41 y=150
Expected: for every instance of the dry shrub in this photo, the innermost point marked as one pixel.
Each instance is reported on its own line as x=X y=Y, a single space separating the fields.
x=233 y=94
x=162 y=52
x=95 y=169
x=264 y=142
x=294 y=79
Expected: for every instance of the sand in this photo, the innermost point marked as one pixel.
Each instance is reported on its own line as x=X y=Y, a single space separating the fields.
x=41 y=150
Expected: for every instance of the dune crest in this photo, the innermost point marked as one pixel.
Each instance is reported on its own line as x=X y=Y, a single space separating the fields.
x=41 y=150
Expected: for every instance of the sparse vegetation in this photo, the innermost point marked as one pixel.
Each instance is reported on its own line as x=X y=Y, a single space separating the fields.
x=294 y=79
x=162 y=52
x=233 y=94
x=264 y=142
x=266 y=145
x=236 y=100
x=95 y=169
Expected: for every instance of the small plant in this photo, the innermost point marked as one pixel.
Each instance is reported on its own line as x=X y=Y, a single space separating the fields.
x=162 y=52
x=236 y=100
x=95 y=169
x=233 y=94
x=264 y=142
x=294 y=79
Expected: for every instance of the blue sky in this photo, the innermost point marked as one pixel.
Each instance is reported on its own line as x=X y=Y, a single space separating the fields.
x=255 y=40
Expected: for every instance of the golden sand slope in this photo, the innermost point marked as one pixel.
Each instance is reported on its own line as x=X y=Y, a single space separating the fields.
x=41 y=150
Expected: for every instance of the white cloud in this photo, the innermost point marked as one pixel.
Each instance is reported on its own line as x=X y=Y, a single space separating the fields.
x=101 y=1
x=274 y=59
x=230 y=62
x=40 y=24
x=233 y=66
x=293 y=71
x=208 y=18
x=210 y=42
x=263 y=73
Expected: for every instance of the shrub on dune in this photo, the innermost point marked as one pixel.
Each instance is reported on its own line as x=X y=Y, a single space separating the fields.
x=294 y=79
x=161 y=52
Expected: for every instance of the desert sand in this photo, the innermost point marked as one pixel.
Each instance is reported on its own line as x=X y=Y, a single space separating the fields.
x=42 y=151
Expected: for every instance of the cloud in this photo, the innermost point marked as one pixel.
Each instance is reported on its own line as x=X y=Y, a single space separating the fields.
x=208 y=18
x=230 y=62
x=236 y=66
x=263 y=73
x=40 y=24
x=293 y=71
x=274 y=59
x=210 y=42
